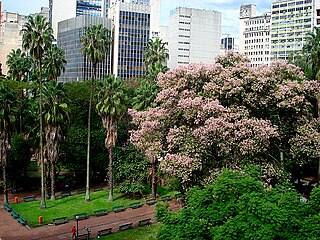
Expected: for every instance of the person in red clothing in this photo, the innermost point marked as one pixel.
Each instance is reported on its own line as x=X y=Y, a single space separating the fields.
x=73 y=230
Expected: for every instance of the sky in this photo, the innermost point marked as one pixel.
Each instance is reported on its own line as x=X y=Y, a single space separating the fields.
x=229 y=8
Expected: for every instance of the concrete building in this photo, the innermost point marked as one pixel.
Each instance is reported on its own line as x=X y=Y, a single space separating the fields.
x=78 y=68
x=131 y=24
x=61 y=10
x=291 y=21
x=254 y=39
x=229 y=44
x=193 y=36
x=10 y=37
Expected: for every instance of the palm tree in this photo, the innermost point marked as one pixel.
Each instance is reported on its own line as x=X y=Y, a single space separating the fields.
x=37 y=38
x=18 y=65
x=156 y=52
x=7 y=117
x=53 y=62
x=95 y=43
x=145 y=94
x=111 y=107
x=55 y=114
x=312 y=50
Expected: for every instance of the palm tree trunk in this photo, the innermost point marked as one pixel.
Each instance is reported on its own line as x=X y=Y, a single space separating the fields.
x=110 y=173
x=52 y=176
x=3 y=158
x=87 y=197
x=43 y=197
x=154 y=178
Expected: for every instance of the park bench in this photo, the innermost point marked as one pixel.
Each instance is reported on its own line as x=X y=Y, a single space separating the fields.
x=22 y=221
x=118 y=209
x=178 y=196
x=144 y=222
x=99 y=188
x=30 y=198
x=151 y=201
x=14 y=214
x=104 y=232
x=80 y=216
x=7 y=207
x=80 y=191
x=125 y=226
x=84 y=236
x=135 y=205
x=59 y=220
x=65 y=194
x=100 y=212
x=166 y=198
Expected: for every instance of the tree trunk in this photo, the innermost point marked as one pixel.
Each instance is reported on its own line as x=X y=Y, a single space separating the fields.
x=154 y=178
x=52 y=177
x=43 y=197
x=3 y=158
x=110 y=173
x=87 y=197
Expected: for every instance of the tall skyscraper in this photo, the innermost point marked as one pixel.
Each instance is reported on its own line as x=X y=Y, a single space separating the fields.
x=131 y=33
x=254 y=40
x=193 y=36
x=61 y=10
x=78 y=68
x=291 y=21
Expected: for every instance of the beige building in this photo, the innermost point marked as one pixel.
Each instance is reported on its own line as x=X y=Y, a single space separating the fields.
x=254 y=40
x=10 y=37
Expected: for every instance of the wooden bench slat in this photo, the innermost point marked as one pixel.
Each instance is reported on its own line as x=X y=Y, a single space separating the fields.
x=30 y=198
x=99 y=188
x=104 y=232
x=144 y=222
x=7 y=207
x=65 y=194
x=60 y=220
x=14 y=214
x=84 y=236
x=118 y=209
x=135 y=205
x=100 y=212
x=125 y=226
x=80 y=191
x=81 y=216
x=22 y=221
x=151 y=201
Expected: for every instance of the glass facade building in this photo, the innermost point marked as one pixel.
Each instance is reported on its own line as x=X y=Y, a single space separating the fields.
x=89 y=7
x=78 y=68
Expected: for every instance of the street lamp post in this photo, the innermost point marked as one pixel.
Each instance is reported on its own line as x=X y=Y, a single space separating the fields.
x=77 y=219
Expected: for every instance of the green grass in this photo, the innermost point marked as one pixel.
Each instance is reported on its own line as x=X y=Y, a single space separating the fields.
x=140 y=233
x=69 y=206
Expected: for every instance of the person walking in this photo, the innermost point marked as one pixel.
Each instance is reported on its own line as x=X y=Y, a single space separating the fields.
x=73 y=231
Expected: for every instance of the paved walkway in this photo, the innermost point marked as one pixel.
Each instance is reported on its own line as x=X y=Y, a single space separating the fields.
x=11 y=229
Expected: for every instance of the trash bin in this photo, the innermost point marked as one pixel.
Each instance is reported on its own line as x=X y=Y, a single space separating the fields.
x=16 y=199
x=40 y=219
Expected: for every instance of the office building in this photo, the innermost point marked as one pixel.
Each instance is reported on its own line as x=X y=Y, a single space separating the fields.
x=61 y=10
x=254 y=39
x=11 y=25
x=131 y=24
x=229 y=44
x=78 y=68
x=291 y=21
x=193 y=36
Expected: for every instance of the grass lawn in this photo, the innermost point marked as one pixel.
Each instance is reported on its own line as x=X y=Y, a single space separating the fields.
x=141 y=233
x=69 y=206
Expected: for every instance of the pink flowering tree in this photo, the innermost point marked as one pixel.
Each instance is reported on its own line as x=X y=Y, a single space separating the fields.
x=224 y=114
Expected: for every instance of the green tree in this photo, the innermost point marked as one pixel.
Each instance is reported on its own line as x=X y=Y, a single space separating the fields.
x=55 y=115
x=312 y=50
x=37 y=38
x=54 y=61
x=95 y=42
x=237 y=206
x=156 y=52
x=111 y=106
x=18 y=65
x=7 y=118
